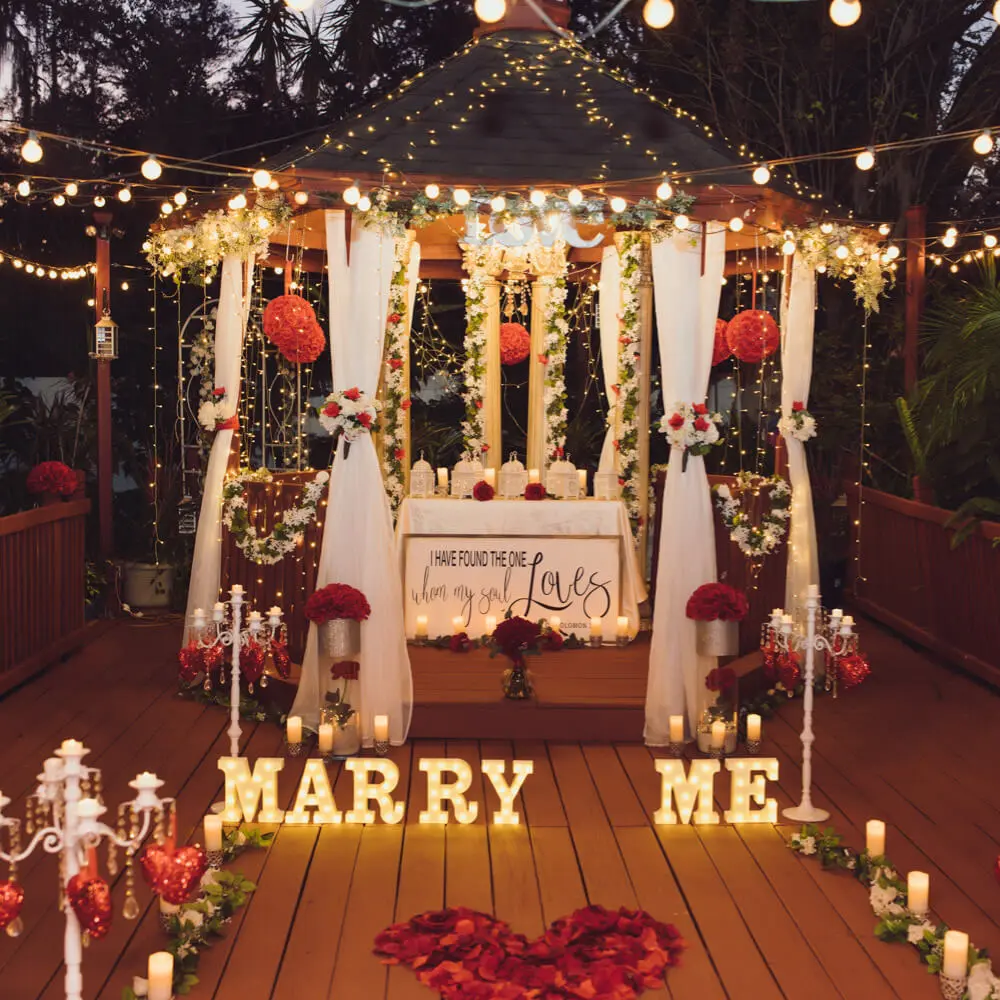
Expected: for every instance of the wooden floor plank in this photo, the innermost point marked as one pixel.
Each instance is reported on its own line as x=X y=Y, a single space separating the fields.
x=468 y=877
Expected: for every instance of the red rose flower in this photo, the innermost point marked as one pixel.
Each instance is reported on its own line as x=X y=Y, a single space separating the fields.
x=395 y=364
x=365 y=419
x=617 y=444
x=616 y=389
x=721 y=679
x=701 y=424
x=543 y=359
x=534 y=491
x=219 y=391
x=346 y=670
x=479 y=404
x=676 y=421
x=460 y=643
x=406 y=404
x=337 y=600
x=700 y=408
x=52 y=478
x=331 y=410
x=515 y=634
x=552 y=641
x=483 y=491
x=395 y=318
x=353 y=394
x=485 y=448
x=717 y=602
x=399 y=454
x=798 y=406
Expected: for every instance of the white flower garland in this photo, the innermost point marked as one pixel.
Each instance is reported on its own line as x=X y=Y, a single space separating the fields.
x=556 y=334
x=287 y=533
x=627 y=442
x=753 y=541
x=397 y=392
x=799 y=424
x=474 y=368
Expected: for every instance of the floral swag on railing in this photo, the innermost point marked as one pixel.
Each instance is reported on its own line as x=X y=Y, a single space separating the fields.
x=397 y=394
x=287 y=534
x=627 y=388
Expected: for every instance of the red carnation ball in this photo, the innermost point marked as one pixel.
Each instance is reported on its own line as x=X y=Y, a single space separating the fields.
x=515 y=343
x=717 y=602
x=483 y=491
x=721 y=349
x=290 y=324
x=753 y=335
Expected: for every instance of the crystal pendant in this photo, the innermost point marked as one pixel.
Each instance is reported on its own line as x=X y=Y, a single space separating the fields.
x=130 y=911
x=208 y=684
x=85 y=939
x=15 y=928
x=250 y=688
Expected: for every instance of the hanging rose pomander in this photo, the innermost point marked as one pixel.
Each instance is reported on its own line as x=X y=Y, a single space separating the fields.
x=515 y=343
x=753 y=335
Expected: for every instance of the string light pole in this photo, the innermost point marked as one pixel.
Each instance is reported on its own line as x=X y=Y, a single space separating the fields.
x=63 y=817
x=102 y=307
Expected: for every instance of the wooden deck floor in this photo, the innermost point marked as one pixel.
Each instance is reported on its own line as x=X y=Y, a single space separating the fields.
x=916 y=746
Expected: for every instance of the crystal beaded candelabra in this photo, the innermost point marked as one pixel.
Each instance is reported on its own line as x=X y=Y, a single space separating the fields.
x=222 y=632
x=63 y=817
x=832 y=636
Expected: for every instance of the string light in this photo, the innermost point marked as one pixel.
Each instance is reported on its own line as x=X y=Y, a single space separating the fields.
x=538 y=198
x=989 y=240
x=24 y=188
x=364 y=203
x=681 y=222
x=238 y=202
x=261 y=178
x=72 y=189
x=618 y=204
x=575 y=197
x=151 y=168
x=461 y=197
x=125 y=195
x=499 y=203
x=892 y=252
x=166 y=208
x=490 y=11
x=736 y=224
x=31 y=151
x=844 y=13
x=665 y=191
x=983 y=143
x=842 y=252
x=42 y=270
x=301 y=197
x=761 y=174
x=658 y=13
x=59 y=200
x=788 y=248
x=884 y=229
x=865 y=159
x=432 y=191
x=99 y=201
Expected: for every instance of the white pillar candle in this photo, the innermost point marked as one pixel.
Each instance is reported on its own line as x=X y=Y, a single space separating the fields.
x=236 y=589
x=218 y=611
x=596 y=628
x=457 y=625
x=443 y=478
x=213 y=832
x=718 y=734
x=918 y=890
x=676 y=728
x=380 y=728
x=753 y=727
x=491 y=624
x=421 y=632
x=160 y=976
x=555 y=623
x=582 y=476
x=849 y=621
x=325 y=737
x=812 y=591
x=875 y=837
x=490 y=476
x=622 y=626
x=293 y=729
x=837 y=613
x=955 y=964
x=534 y=476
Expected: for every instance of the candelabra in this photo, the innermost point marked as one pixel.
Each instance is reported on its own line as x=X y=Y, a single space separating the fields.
x=257 y=637
x=63 y=817
x=832 y=636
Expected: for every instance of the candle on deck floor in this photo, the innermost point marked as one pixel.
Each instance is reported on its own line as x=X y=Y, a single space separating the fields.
x=875 y=837
x=753 y=727
x=380 y=728
x=955 y=964
x=918 y=890
x=160 y=976
x=293 y=729
x=676 y=728
x=213 y=832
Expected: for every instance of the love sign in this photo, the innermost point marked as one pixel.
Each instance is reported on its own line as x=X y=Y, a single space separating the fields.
x=686 y=795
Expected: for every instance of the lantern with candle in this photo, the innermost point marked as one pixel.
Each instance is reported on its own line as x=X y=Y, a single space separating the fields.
x=720 y=717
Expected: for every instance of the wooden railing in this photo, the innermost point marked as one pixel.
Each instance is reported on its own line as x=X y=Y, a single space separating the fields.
x=42 y=587
x=905 y=574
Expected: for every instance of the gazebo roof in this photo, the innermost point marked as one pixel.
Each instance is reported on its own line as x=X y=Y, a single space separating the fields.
x=519 y=106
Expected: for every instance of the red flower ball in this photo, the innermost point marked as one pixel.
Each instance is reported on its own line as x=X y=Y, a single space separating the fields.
x=515 y=343
x=337 y=600
x=717 y=602
x=483 y=491
x=534 y=491
x=753 y=335
x=721 y=349
x=290 y=324
x=53 y=478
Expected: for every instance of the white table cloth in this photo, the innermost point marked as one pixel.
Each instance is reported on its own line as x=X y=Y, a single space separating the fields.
x=502 y=518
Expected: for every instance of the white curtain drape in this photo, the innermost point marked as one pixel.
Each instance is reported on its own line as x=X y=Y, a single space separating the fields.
x=687 y=277
x=358 y=544
x=230 y=329
x=609 y=318
x=798 y=321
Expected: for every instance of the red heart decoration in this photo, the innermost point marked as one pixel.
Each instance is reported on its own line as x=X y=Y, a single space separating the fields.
x=90 y=898
x=282 y=659
x=11 y=901
x=211 y=660
x=173 y=874
x=595 y=953
x=252 y=662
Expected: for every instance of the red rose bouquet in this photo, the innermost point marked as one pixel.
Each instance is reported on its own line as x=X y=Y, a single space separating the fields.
x=52 y=479
x=516 y=637
x=717 y=602
x=534 y=491
x=483 y=491
x=337 y=600
x=338 y=709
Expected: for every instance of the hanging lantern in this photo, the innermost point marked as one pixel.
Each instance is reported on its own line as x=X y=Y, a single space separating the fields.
x=104 y=346
x=187 y=517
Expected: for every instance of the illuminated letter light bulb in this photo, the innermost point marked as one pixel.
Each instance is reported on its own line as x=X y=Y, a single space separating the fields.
x=465 y=811
x=245 y=791
x=494 y=770
x=381 y=792
x=691 y=789
x=745 y=791
x=658 y=13
x=314 y=793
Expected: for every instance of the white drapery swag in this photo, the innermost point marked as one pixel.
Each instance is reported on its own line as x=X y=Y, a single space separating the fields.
x=358 y=545
x=798 y=323
x=610 y=306
x=687 y=304
x=230 y=329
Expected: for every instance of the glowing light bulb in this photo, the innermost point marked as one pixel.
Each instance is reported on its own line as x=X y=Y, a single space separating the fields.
x=884 y=229
x=24 y=188
x=125 y=195
x=996 y=11
x=681 y=222
x=788 y=248
x=490 y=11
x=238 y=201
x=844 y=13
x=72 y=189
x=865 y=160
x=151 y=168
x=736 y=224
x=299 y=5
x=432 y=191
x=665 y=191
x=261 y=178
x=826 y=228
x=761 y=174
x=499 y=203
x=301 y=197
x=892 y=253
x=618 y=204
x=989 y=240
x=537 y=198
x=59 y=200
x=99 y=201
x=31 y=151
x=461 y=197
x=575 y=197
x=166 y=208
x=658 y=13
x=983 y=143
x=842 y=252
x=352 y=195
x=364 y=203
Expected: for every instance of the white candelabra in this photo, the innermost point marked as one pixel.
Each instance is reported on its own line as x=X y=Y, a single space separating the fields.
x=784 y=635
x=232 y=634
x=63 y=817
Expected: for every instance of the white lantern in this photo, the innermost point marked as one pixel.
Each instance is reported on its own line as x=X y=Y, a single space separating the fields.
x=606 y=486
x=561 y=480
x=105 y=343
x=421 y=479
x=513 y=477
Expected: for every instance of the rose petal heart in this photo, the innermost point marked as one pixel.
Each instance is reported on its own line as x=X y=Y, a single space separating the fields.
x=90 y=898
x=11 y=901
x=173 y=873
x=595 y=953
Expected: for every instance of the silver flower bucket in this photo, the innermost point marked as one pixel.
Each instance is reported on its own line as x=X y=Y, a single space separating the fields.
x=717 y=638
x=340 y=638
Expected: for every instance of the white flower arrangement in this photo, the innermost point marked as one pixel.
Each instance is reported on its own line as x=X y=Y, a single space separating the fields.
x=799 y=423
x=755 y=541
x=477 y=262
x=691 y=427
x=351 y=412
x=288 y=532
x=556 y=333
x=216 y=410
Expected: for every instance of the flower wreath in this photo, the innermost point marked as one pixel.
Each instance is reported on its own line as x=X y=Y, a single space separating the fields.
x=287 y=533
x=755 y=541
x=800 y=424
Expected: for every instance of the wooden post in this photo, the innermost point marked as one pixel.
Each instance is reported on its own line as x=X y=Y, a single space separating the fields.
x=102 y=301
x=916 y=265
x=644 y=374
